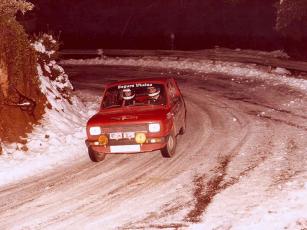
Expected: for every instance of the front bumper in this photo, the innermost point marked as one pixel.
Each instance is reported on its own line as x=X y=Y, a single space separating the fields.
x=146 y=147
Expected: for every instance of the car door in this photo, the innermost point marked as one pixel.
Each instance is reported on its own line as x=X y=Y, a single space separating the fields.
x=182 y=107
x=176 y=105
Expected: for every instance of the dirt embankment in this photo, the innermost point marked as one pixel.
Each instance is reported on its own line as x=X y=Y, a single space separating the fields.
x=21 y=101
x=21 y=106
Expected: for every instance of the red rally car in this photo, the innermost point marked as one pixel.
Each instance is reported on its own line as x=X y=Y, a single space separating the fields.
x=137 y=116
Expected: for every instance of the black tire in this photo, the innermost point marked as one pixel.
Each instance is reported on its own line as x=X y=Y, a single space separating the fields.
x=184 y=127
x=169 y=150
x=95 y=156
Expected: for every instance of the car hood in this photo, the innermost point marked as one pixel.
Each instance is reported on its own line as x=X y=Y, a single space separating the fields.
x=129 y=115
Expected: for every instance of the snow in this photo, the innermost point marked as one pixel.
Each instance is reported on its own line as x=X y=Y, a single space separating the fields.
x=40 y=47
x=279 y=76
x=281 y=71
x=59 y=140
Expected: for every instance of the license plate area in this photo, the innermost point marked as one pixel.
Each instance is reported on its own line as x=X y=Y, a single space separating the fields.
x=129 y=135
x=125 y=148
x=116 y=136
x=122 y=135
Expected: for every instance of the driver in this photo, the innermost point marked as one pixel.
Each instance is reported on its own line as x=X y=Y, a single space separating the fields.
x=154 y=95
x=128 y=95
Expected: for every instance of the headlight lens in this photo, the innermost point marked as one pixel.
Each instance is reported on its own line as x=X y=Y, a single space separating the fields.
x=154 y=127
x=95 y=130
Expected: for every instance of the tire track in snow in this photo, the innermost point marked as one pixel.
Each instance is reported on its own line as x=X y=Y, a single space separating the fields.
x=218 y=122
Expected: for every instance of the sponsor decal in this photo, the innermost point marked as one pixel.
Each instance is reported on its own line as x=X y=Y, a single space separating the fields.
x=134 y=85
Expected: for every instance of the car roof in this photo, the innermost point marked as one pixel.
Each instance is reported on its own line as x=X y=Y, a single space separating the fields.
x=156 y=80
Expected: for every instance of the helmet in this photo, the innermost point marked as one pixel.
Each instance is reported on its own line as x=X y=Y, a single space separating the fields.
x=128 y=94
x=153 y=91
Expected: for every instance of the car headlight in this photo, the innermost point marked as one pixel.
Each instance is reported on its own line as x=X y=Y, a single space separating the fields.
x=154 y=127
x=95 y=130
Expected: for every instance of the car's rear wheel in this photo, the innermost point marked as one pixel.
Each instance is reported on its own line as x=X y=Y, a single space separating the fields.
x=95 y=156
x=171 y=142
x=184 y=127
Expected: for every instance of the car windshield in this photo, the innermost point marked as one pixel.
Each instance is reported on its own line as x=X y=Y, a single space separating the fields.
x=138 y=94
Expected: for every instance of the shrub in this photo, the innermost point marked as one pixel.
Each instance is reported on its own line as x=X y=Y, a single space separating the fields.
x=18 y=78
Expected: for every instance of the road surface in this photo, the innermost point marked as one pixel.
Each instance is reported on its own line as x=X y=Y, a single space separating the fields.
x=245 y=144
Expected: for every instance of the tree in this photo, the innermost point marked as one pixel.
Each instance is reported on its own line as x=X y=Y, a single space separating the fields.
x=291 y=18
x=11 y=7
x=19 y=84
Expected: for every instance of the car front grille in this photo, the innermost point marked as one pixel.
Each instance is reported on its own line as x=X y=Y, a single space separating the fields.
x=125 y=128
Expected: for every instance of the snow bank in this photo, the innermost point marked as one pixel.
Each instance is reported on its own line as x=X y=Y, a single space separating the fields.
x=59 y=138
x=278 y=76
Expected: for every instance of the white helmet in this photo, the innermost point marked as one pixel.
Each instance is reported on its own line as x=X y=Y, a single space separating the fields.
x=153 y=91
x=128 y=94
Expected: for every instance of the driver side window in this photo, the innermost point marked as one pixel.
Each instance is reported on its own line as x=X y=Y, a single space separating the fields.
x=172 y=93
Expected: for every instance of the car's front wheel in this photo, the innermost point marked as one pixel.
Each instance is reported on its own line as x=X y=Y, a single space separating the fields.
x=171 y=142
x=95 y=156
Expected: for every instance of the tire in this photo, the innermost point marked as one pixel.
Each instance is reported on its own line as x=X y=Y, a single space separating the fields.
x=169 y=150
x=95 y=156
x=184 y=127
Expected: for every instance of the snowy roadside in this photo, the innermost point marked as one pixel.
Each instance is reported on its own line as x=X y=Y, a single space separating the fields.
x=276 y=76
x=58 y=138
